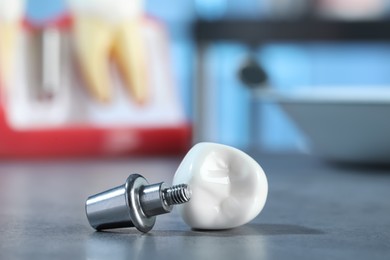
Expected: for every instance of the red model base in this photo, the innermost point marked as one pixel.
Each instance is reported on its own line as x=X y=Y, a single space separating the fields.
x=88 y=141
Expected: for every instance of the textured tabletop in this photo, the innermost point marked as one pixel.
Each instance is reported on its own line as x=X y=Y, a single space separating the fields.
x=314 y=211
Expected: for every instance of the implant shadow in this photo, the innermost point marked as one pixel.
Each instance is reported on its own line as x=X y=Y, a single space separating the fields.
x=247 y=230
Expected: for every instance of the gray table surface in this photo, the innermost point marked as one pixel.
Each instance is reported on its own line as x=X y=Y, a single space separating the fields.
x=314 y=211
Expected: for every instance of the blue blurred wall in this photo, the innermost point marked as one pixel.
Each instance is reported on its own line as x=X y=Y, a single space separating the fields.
x=44 y=9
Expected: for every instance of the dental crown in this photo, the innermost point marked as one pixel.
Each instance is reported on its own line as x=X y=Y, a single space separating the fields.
x=229 y=188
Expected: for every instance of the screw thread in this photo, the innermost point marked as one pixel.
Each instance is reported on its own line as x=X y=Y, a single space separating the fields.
x=177 y=194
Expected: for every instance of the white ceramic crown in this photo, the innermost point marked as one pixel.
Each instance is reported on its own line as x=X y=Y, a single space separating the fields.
x=11 y=10
x=109 y=10
x=229 y=188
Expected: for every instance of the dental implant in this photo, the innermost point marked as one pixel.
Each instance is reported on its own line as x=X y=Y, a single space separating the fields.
x=134 y=204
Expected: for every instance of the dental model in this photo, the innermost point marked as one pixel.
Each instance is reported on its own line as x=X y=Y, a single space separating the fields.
x=105 y=29
x=11 y=13
x=229 y=188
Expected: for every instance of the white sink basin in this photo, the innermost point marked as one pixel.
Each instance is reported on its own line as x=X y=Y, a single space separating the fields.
x=343 y=124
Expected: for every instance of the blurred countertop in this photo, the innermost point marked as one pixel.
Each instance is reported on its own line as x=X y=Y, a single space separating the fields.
x=314 y=211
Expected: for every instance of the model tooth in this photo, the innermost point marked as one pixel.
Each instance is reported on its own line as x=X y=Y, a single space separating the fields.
x=105 y=27
x=93 y=40
x=11 y=13
x=8 y=35
x=130 y=54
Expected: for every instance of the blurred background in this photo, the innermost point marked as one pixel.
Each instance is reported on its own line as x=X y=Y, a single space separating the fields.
x=234 y=117
x=278 y=79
